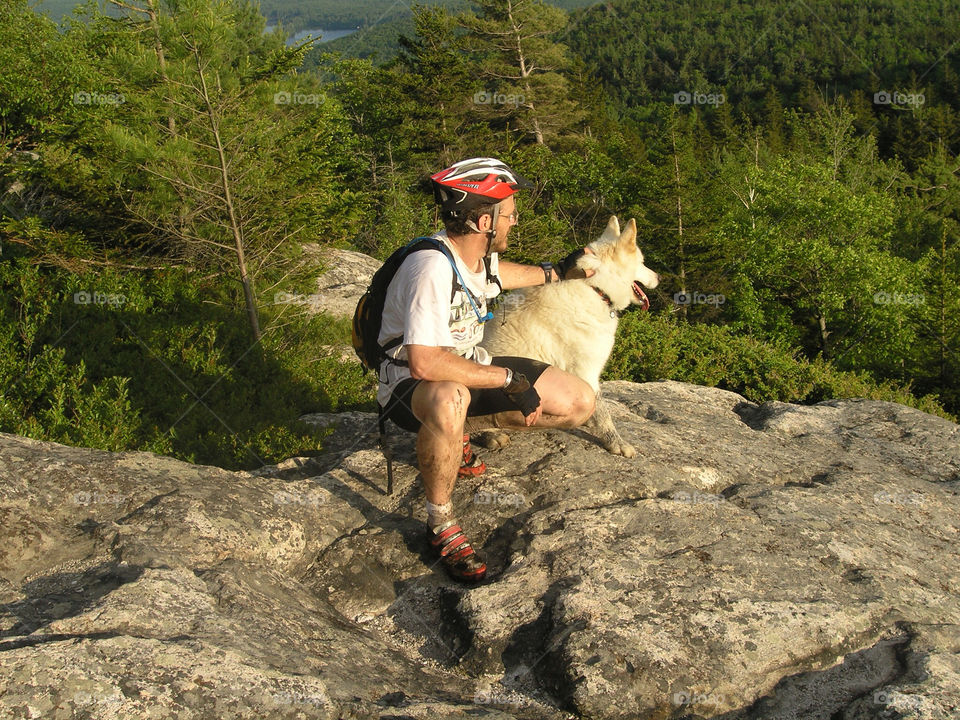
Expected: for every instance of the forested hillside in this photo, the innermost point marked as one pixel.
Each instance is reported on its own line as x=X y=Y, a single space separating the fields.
x=296 y=15
x=768 y=56
x=793 y=169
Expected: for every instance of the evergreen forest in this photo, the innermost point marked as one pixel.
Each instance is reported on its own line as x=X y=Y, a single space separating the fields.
x=169 y=169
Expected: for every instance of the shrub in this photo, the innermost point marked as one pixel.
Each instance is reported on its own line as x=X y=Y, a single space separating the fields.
x=166 y=367
x=653 y=347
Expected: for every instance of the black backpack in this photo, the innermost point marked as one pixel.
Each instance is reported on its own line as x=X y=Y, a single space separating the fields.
x=369 y=313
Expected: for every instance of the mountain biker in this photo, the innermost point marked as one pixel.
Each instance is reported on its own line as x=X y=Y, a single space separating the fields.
x=437 y=375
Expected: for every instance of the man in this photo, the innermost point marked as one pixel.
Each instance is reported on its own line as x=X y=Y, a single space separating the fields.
x=438 y=376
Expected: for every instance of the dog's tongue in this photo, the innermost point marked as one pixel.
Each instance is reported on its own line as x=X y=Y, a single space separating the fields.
x=644 y=300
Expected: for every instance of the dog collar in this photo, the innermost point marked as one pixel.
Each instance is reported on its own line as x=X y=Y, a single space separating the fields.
x=606 y=298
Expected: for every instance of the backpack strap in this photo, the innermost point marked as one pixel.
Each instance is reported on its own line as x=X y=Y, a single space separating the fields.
x=421 y=243
x=453 y=264
x=491 y=278
x=470 y=296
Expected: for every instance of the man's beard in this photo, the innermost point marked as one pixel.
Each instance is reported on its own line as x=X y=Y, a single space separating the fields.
x=499 y=243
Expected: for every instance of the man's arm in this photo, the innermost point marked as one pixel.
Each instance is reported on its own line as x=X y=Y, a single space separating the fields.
x=515 y=275
x=438 y=364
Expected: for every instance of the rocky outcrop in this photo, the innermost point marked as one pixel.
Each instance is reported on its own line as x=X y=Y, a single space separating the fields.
x=771 y=562
x=345 y=278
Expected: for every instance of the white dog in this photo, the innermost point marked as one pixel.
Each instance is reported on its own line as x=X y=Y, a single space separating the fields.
x=571 y=325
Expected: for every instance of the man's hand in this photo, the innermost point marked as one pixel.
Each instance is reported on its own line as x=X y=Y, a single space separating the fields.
x=525 y=397
x=531 y=419
x=568 y=266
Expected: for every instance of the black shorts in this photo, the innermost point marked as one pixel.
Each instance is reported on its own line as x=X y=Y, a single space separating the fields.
x=483 y=401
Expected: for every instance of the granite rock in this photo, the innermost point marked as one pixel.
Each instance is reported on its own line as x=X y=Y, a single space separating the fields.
x=753 y=562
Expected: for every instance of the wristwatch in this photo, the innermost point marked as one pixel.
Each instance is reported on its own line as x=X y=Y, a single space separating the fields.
x=547 y=272
x=509 y=379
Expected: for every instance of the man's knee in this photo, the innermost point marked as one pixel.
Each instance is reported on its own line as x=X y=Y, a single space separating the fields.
x=441 y=405
x=586 y=404
x=582 y=403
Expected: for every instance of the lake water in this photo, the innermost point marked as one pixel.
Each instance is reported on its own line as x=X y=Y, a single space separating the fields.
x=324 y=35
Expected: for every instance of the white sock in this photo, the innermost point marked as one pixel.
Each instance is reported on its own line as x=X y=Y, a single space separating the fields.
x=439 y=514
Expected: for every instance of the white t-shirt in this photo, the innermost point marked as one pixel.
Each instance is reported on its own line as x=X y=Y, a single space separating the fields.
x=418 y=307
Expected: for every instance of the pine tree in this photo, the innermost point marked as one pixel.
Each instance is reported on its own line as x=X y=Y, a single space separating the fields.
x=523 y=66
x=221 y=188
x=436 y=83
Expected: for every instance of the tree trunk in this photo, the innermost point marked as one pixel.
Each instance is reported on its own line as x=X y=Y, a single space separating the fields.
x=161 y=58
x=943 y=305
x=525 y=74
x=680 y=249
x=235 y=229
x=824 y=334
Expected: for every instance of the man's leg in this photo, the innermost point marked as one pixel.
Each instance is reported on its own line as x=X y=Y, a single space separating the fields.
x=567 y=402
x=441 y=407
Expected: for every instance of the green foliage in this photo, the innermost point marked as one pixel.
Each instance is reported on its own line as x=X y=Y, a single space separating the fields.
x=160 y=362
x=645 y=53
x=655 y=347
x=829 y=223
x=814 y=256
x=46 y=397
x=522 y=66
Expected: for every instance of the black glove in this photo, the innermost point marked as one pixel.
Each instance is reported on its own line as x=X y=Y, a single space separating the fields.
x=523 y=394
x=570 y=263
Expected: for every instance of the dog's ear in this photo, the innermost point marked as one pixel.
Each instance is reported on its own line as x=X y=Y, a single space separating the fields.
x=612 y=231
x=628 y=238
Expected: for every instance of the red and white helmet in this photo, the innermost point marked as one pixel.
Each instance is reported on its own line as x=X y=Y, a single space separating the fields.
x=475 y=182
